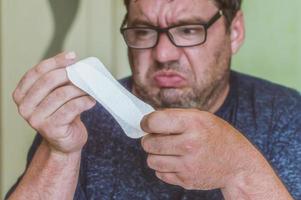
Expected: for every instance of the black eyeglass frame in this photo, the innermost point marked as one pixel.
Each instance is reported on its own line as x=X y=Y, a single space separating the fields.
x=166 y=30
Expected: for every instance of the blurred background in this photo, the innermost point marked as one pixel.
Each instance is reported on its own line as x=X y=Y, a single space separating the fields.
x=33 y=30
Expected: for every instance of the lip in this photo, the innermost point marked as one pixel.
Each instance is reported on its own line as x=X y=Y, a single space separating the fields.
x=169 y=79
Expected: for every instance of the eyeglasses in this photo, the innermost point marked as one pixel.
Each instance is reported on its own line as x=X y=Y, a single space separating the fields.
x=187 y=35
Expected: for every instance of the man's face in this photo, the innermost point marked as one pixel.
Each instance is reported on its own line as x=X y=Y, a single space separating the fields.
x=168 y=76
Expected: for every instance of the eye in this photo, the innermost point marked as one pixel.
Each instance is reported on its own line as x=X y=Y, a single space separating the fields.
x=143 y=33
x=190 y=30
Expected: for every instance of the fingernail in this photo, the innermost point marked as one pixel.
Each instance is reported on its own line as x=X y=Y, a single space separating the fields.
x=70 y=55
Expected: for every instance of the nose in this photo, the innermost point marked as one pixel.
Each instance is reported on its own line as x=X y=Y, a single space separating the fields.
x=166 y=51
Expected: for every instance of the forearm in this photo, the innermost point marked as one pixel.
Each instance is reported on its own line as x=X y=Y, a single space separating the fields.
x=50 y=175
x=259 y=184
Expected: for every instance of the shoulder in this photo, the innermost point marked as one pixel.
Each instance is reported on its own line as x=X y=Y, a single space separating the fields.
x=274 y=109
x=277 y=108
x=268 y=113
x=270 y=95
x=266 y=88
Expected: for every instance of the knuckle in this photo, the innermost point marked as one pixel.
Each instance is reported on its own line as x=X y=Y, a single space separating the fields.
x=15 y=96
x=22 y=109
x=189 y=146
x=159 y=149
x=155 y=164
x=145 y=144
x=34 y=122
x=40 y=68
x=54 y=77
x=164 y=177
x=185 y=181
x=160 y=176
x=150 y=161
x=75 y=106
x=67 y=112
x=188 y=186
x=82 y=102
x=46 y=80
x=156 y=146
x=43 y=66
x=159 y=165
x=60 y=94
x=89 y=102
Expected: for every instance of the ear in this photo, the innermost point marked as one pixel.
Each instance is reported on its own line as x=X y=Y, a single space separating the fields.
x=237 y=32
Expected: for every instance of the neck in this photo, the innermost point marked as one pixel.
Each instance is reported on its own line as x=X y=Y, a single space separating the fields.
x=215 y=104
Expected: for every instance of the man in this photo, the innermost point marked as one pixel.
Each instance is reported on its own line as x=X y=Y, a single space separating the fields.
x=216 y=133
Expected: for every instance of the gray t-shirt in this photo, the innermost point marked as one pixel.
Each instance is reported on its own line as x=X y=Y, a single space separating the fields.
x=114 y=166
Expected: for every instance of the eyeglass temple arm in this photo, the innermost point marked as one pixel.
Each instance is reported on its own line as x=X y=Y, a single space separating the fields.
x=215 y=18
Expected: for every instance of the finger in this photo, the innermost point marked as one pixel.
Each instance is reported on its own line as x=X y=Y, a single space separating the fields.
x=41 y=89
x=176 y=145
x=170 y=164
x=169 y=121
x=170 y=178
x=63 y=116
x=59 y=61
x=69 y=111
x=57 y=99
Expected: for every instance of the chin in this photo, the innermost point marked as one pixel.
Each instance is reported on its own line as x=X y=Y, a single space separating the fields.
x=161 y=98
x=177 y=98
x=170 y=95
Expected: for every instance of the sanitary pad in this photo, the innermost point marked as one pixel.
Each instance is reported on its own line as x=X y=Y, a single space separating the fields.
x=91 y=76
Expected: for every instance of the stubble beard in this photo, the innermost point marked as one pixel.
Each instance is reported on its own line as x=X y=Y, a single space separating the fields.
x=197 y=97
x=200 y=95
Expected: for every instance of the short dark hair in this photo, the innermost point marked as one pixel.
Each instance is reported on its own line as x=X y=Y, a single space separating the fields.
x=229 y=8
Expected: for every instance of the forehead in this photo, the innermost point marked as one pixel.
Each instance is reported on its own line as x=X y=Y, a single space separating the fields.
x=170 y=11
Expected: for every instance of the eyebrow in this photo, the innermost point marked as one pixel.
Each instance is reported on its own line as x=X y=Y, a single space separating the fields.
x=140 y=22
x=188 y=20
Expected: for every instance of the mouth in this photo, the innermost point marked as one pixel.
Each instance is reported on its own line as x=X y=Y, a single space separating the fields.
x=169 y=79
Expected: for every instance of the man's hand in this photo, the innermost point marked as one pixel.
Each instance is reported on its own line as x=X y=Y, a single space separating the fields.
x=52 y=105
x=199 y=151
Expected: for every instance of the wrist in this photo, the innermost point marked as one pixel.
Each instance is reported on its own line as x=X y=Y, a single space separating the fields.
x=257 y=181
x=60 y=156
x=51 y=175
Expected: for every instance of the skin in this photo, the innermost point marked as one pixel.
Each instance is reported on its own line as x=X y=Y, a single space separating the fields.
x=199 y=151
x=51 y=105
x=205 y=68
x=187 y=147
